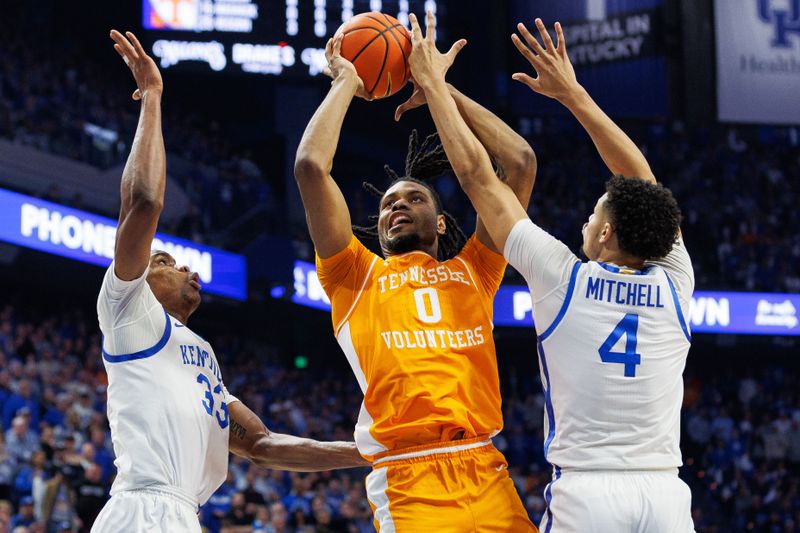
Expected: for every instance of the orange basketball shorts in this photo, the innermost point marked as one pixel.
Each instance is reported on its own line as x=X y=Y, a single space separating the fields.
x=457 y=487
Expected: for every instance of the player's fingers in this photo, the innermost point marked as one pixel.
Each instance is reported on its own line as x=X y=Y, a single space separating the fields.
x=408 y=105
x=416 y=31
x=533 y=83
x=127 y=49
x=562 y=43
x=402 y=108
x=137 y=95
x=548 y=42
x=118 y=48
x=526 y=52
x=136 y=44
x=456 y=48
x=337 y=45
x=530 y=39
x=430 y=25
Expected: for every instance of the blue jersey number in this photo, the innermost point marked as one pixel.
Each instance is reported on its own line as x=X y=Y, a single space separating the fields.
x=208 y=403
x=627 y=326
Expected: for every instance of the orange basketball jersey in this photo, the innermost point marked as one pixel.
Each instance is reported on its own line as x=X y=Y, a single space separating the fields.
x=418 y=335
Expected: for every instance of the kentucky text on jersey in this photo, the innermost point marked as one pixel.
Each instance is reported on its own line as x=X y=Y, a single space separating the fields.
x=195 y=355
x=624 y=292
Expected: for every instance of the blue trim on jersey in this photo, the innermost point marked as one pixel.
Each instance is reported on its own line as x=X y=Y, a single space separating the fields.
x=142 y=354
x=616 y=270
x=678 y=308
x=548 y=498
x=548 y=402
x=572 y=277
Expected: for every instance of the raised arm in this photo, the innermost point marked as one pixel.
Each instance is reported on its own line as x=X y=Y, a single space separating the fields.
x=556 y=79
x=496 y=204
x=144 y=177
x=513 y=156
x=250 y=438
x=326 y=210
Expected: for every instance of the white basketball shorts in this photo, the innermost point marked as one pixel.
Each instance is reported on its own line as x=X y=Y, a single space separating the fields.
x=621 y=502
x=146 y=511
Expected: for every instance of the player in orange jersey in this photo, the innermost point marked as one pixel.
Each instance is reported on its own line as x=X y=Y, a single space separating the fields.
x=416 y=324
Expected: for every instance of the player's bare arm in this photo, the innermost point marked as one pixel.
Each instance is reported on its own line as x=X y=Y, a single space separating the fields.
x=250 y=438
x=495 y=202
x=326 y=210
x=144 y=177
x=513 y=156
x=555 y=77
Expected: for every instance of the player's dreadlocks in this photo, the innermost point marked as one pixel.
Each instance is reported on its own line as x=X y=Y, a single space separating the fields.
x=424 y=162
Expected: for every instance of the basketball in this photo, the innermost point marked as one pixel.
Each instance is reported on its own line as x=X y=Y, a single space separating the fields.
x=378 y=46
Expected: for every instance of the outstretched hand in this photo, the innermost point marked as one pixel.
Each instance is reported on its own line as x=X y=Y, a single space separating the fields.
x=338 y=66
x=144 y=69
x=555 y=76
x=428 y=64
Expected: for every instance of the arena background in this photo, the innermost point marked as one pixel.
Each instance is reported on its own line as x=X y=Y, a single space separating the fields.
x=708 y=90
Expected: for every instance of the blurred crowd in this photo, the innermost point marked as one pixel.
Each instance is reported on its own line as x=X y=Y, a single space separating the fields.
x=54 y=100
x=742 y=449
x=741 y=438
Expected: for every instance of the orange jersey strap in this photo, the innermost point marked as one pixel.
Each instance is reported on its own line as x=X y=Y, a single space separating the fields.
x=344 y=276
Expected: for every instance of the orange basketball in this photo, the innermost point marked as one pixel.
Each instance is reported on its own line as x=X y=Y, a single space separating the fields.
x=379 y=46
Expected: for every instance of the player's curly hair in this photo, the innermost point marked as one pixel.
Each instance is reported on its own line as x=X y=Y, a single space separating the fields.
x=645 y=216
x=424 y=162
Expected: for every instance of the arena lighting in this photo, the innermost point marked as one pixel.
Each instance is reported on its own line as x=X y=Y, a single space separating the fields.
x=710 y=312
x=67 y=232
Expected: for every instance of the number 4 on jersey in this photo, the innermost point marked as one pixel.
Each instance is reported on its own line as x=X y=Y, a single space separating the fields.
x=627 y=326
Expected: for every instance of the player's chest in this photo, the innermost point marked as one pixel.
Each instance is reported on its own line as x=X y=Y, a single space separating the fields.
x=398 y=282
x=429 y=294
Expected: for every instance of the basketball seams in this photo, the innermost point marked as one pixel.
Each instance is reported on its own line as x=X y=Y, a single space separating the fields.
x=353 y=30
x=383 y=64
x=379 y=21
x=402 y=50
x=390 y=28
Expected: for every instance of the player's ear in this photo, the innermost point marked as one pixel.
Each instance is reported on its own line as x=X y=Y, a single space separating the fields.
x=606 y=233
x=441 y=224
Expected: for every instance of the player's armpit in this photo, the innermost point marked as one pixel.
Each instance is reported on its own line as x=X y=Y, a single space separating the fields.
x=250 y=438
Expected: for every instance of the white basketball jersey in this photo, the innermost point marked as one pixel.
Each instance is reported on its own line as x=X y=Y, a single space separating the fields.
x=167 y=405
x=612 y=346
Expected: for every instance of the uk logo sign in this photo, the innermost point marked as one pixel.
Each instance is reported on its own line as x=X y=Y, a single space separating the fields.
x=784 y=16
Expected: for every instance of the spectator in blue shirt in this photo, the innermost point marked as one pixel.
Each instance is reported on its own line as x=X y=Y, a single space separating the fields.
x=19 y=400
x=25 y=516
x=21 y=442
